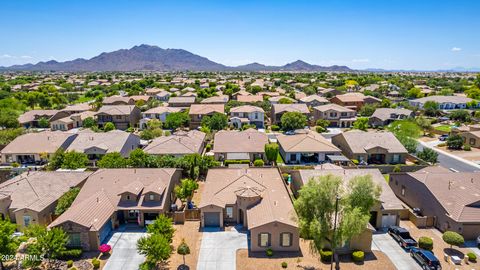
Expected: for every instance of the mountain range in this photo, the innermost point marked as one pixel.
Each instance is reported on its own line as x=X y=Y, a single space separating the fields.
x=153 y=58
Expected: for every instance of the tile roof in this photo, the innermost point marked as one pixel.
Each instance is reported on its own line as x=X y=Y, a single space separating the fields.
x=247 y=141
x=206 y=108
x=360 y=141
x=180 y=142
x=306 y=143
x=36 y=143
x=295 y=107
x=112 y=141
x=116 y=109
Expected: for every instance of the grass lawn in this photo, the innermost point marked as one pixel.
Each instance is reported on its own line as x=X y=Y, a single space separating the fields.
x=445 y=128
x=83 y=99
x=387 y=177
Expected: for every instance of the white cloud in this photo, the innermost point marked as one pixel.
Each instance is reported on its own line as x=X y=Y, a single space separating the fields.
x=456 y=49
x=6 y=56
x=362 y=60
x=26 y=57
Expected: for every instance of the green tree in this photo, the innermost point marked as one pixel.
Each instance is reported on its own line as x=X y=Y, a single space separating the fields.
x=43 y=122
x=8 y=245
x=453 y=238
x=293 y=120
x=9 y=118
x=405 y=128
x=217 y=121
x=461 y=115
x=431 y=108
x=271 y=152
x=162 y=226
x=367 y=110
x=183 y=249
x=109 y=126
x=56 y=160
x=428 y=155
x=424 y=124
x=285 y=101
x=66 y=201
x=185 y=190
x=53 y=242
x=156 y=248
x=455 y=142
x=73 y=160
x=414 y=93
x=316 y=207
x=323 y=123
x=112 y=160
x=140 y=159
x=176 y=120
x=386 y=103
x=361 y=123
x=89 y=122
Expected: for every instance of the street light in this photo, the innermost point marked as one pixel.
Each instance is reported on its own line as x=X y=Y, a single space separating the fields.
x=337 y=198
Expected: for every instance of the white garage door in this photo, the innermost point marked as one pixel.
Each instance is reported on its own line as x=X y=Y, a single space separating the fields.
x=389 y=220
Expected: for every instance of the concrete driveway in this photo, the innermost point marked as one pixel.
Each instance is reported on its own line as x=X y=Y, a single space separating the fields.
x=218 y=249
x=399 y=257
x=124 y=250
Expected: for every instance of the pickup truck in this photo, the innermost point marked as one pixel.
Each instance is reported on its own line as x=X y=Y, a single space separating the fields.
x=402 y=236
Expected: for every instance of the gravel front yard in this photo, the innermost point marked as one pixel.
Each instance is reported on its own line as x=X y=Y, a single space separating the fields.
x=308 y=261
x=439 y=246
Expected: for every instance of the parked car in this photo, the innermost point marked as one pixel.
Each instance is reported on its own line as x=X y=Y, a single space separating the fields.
x=426 y=259
x=443 y=137
x=402 y=236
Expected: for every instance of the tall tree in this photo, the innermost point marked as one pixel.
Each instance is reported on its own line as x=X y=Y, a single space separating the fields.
x=112 y=160
x=155 y=247
x=8 y=245
x=293 y=120
x=361 y=123
x=66 y=201
x=271 y=152
x=185 y=190
x=74 y=160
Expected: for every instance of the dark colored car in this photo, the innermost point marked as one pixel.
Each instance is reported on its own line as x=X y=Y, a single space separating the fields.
x=402 y=236
x=443 y=137
x=426 y=259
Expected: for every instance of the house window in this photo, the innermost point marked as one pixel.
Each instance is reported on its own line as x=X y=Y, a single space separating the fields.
x=293 y=157
x=285 y=239
x=27 y=220
x=229 y=211
x=128 y=197
x=472 y=141
x=264 y=240
x=118 y=117
x=396 y=158
x=74 y=240
x=151 y=197
x=403 y=190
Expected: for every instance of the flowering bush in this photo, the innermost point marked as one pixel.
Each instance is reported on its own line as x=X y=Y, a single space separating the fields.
x=105 y=248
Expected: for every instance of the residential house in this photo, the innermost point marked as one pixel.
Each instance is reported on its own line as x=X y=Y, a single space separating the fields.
x=35 y=148
x=122 y=116
x=30 y=119
x=255 y=198
x=279 y=109
x=337 y=115
x=384 y=116
x=249 y=98
x=198 y=111
x=183 y=102
x=112 y=197
x=221 y=99
x=314 y=100
x=31 y=197
x=449 y=200
x=386 y=212
x=118 y=100
x=240 y=145
x=178 y=144
x=247 y=115
x=328 y=92
x=72 y=121
x=276 y=100
x=354 y=101
x=371 y=147
x=153 y=91
x=444 y=102
x=471 y=138
x=159 y=113
x=97 y=144
x=306 y=148
x=163 y=96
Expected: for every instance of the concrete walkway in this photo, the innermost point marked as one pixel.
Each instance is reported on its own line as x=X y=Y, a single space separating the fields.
x=219 y=249
x=399 y=257
x=124 y=250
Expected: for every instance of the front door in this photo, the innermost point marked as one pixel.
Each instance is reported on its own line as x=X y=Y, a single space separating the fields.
x=240 y=216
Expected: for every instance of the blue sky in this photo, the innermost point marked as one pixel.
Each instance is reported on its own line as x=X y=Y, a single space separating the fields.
x=389 y=34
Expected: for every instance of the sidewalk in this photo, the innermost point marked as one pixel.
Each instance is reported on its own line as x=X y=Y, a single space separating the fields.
x=432 y=145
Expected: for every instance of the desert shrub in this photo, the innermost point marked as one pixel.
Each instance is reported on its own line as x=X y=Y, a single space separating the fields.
x=269 y=252
x=96 y=263
x=358 y=256
x=258 y=163
x=425 y=243
x=472 y=257
x=326 y=255
x=397 y=168
x=230 y=161
x=284 y=264
x=208 y=147
x=320 y=129
x=69 y=263
x=442 y=144
x=355 y=161
x=453 y=238
x=275 y=128
x=71 y=254
x=467 y=147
